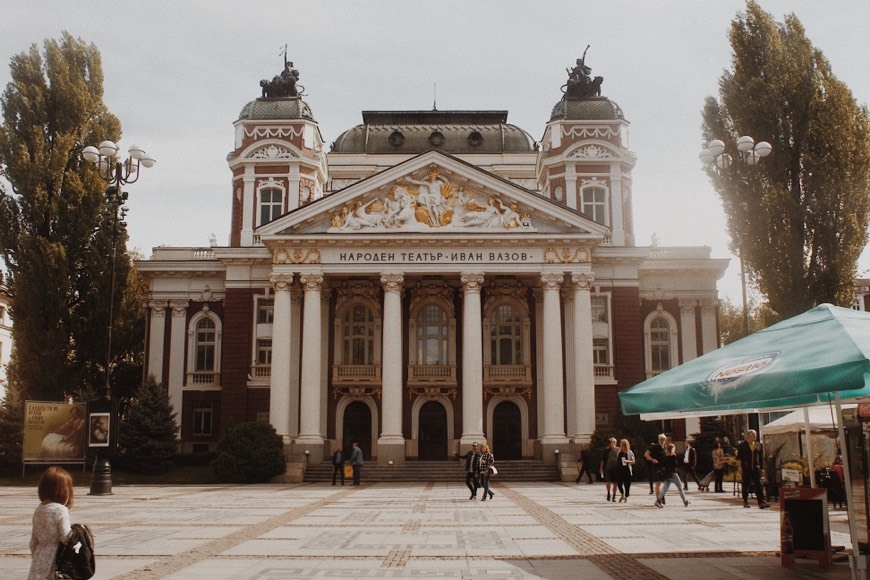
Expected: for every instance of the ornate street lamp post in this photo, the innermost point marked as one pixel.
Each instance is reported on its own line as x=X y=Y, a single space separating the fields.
x=102 y=423
x=749 y=154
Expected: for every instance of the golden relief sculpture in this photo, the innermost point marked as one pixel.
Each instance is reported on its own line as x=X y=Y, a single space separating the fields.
x=284 y=256
x=432 y=202
x=579 y=255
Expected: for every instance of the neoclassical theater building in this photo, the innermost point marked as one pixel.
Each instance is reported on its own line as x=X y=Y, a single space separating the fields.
x=430 y=279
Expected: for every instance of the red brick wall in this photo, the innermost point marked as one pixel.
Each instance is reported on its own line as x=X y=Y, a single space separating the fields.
x=236 y=355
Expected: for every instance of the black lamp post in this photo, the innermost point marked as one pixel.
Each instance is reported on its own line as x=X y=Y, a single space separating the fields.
x=749 y=154
x=102 y=423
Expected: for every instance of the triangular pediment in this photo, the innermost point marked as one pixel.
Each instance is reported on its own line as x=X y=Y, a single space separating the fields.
x=433 y=193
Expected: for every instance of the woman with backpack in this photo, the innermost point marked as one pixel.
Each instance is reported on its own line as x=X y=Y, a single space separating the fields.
x=51 y=525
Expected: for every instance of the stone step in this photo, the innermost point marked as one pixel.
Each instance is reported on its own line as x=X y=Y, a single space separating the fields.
x=452 y=470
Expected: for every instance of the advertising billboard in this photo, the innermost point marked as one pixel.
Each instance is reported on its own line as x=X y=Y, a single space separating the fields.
x=55 y=431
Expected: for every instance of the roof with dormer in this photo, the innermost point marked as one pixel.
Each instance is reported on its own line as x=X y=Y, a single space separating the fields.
x=453 y=132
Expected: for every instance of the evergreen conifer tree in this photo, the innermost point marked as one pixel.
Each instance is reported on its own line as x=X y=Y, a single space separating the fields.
x=149 y=432
x=11 y=427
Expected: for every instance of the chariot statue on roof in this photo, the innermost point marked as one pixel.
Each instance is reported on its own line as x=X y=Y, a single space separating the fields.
x=284 y=84
x=580 y=83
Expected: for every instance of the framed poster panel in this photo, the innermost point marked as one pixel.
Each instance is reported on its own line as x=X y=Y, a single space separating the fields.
x=54 y=431
x=99 y=427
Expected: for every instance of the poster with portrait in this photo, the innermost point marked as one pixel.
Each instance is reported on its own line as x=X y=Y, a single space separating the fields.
x=98 y=430
x=54 y=431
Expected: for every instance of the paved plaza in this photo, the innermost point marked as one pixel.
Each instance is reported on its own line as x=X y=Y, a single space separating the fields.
x=417 y=530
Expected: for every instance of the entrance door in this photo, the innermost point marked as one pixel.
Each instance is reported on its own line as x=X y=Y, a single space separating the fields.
x=433 y=431
x=357 y=428
x=507 y=431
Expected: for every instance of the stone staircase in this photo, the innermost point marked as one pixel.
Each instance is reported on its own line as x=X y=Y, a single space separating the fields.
x=450 y=470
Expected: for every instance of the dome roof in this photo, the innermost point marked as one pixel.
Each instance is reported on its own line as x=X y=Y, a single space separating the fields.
x=412 y=132
x=590 y=108
x=277 y=108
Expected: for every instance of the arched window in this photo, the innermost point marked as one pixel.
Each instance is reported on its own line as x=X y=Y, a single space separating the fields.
x=271 y=204
x=660 y=345
x=358 y=336
x=432 y=336
x=506 y=338
x=206 y=342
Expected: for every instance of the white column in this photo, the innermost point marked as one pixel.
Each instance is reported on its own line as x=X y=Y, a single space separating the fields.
x=709 y=336
x=391 y=443
x=293 y=189
x=540 y=395
x=554 y=423
x=248 y=209
x=472 y=359
x=177 y=351
x=570 y=360
x=571 y=186
x=309 y=404
x=584 y=367
x=279 y=391
x=156 y=337
x=688 y=336
x=617 y=228
x=295 y=357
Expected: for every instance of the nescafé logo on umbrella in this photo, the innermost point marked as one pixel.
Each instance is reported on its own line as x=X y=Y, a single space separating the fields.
x=735 y=372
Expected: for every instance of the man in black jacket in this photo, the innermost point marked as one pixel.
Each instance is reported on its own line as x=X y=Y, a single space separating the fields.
x=690 y=465
x=472 y=468
x=750 y=454
x=338 y=465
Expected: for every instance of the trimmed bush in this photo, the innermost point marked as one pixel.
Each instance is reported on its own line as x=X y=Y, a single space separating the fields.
x=249 y=453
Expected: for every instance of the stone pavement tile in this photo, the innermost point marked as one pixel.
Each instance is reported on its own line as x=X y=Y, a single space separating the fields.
x=566 y=569
x=745 y=568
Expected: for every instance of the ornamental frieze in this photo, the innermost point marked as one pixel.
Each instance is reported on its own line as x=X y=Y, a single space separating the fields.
x=429 y=203
x=262 y=132
x=273 y=152
x=297 y=256
x=580 y=255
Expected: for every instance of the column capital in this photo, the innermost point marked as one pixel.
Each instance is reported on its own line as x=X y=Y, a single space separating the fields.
x=708 y=304
x=158 y=308
x=179 y=307
x=392 y=281
x=281 y=281
x=582 y=280
x=687 y=304
x=472 y=282
x=311 y=281
x=551 y=280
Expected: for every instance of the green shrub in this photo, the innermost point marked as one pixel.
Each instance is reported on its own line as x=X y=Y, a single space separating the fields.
x=249 y=453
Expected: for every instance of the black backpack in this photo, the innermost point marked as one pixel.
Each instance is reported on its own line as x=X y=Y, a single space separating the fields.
x=75 y=557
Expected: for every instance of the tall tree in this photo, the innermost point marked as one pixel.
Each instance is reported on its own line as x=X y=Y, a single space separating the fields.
x=55 y=227
x=800 y=218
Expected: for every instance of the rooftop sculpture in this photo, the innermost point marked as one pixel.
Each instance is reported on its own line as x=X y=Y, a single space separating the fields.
x=283 y=85
x=580 y=83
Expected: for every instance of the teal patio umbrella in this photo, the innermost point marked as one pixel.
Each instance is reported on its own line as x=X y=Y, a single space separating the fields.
x=804 y=360
x=814 y=357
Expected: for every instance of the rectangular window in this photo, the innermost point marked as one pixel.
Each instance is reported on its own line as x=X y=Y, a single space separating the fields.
x=202 y=419
x=599 y=309
x=264 y=351
x=265 y=311
x=270 y=204
x=600 y=351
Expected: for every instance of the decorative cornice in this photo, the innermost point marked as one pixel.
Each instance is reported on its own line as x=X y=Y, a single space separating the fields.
x=283 y=256
x=580 y=255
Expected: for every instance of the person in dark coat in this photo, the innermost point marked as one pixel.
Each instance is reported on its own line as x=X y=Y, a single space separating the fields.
x=750 y=454
x=585 y=462
x=472 y=469
x=356 y=462
x=338 y=465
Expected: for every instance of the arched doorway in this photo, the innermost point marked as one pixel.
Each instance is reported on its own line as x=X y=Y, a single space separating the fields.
x=507 y=431
x=357 y=427
x=432 y=438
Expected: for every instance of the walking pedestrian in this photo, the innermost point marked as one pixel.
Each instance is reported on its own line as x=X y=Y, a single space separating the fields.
x=718 y=465
x=750 y=454
x=356 y=462
x=585 y=463
x=669 y=476
x=487 y=460
x=654 y=456
x=51 y=524
x=338 y=465
x=610 y=469
x=626 y=461
x=472 y=469
x=690 y=465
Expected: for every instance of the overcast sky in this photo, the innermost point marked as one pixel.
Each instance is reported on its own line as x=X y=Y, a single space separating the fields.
x=177 y=74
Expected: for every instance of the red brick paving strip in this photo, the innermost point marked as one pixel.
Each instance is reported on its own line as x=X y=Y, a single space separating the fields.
x=605 y=557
